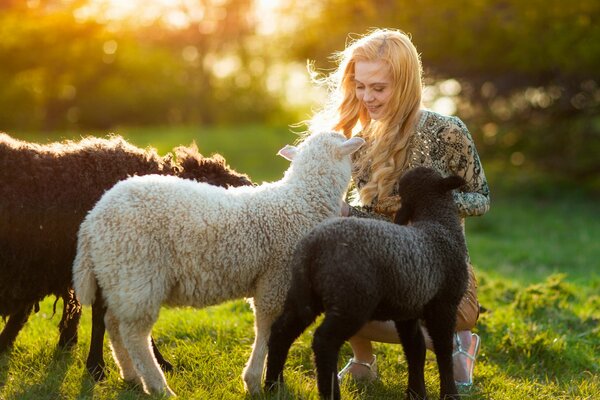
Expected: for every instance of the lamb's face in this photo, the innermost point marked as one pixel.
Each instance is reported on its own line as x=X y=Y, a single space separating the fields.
x=420 y=184
x=330 y=145
x=323 y=151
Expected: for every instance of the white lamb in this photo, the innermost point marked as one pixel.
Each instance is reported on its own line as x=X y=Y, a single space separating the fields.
x=156 y=240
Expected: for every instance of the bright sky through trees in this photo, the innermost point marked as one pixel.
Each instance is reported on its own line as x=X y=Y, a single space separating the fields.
x=175 y=14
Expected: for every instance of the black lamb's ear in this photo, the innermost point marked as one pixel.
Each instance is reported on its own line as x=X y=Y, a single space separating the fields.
x=403 y=215
x=452 y=182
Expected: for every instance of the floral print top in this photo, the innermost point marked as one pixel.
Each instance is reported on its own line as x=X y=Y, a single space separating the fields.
x=445 y=144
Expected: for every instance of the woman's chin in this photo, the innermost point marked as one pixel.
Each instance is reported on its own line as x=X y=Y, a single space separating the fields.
x=375 y=115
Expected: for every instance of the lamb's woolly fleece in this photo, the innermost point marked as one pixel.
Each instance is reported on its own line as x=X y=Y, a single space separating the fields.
x=358 y=270
x=46 y=191
x=162 y=240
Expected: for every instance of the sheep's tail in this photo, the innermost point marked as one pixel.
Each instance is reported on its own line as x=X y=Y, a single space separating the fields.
x=84 y=280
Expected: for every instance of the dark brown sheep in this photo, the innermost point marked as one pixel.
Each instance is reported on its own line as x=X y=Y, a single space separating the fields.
x=45 y=192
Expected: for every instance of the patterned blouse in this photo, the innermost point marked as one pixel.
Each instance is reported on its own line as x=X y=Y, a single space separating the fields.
x=445 y=144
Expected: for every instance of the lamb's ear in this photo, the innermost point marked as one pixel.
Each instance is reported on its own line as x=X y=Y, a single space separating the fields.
x=351 y=145
x=288 y=152
x=452 y=182
x=402 y=216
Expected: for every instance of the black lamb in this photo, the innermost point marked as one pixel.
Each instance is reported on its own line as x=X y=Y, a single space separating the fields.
x=45 y=192
x=357 y=270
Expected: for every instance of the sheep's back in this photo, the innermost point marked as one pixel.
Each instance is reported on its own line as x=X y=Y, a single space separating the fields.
x=45 y=192
x=209 y=243
x=392 y=264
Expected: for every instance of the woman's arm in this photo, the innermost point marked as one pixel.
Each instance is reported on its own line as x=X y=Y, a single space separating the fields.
x=474 y=197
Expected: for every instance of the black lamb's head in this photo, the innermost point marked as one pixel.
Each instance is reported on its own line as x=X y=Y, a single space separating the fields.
x=424 y=187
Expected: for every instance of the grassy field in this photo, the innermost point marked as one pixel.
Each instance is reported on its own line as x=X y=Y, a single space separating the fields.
x=536 y=258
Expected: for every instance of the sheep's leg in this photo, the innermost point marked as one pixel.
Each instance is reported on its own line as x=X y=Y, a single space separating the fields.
x=95 y=361
x=253 y=371
x=164 y=364
x=413 y=344
x=70 y=320
x=440 y=321
x=120 y=353
x=328 y=339
x=13 y=326
x=284 y=332
x=136 y=337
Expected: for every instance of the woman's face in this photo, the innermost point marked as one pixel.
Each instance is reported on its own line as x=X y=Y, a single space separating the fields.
x=373 y=86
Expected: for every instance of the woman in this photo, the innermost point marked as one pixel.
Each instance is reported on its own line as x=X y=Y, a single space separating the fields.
x=375 y=93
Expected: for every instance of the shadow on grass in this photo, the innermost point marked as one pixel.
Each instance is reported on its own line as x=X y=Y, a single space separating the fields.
x=375 y=391
x=53 y=376
x=4 y=366
x=90 y=389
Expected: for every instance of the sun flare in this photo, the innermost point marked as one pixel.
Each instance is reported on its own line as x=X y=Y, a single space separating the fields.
x=173 y=13
x=176 y=14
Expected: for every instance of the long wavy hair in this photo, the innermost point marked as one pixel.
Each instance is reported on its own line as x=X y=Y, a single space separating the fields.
x=385 y=152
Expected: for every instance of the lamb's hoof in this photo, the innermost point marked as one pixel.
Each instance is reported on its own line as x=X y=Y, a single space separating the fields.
x=271 y=386
x=413 y=395
x=97 y=372
x=252 y=387
x=165 y=392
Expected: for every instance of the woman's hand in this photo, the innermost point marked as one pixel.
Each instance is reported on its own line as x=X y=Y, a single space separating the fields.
x=345 y=209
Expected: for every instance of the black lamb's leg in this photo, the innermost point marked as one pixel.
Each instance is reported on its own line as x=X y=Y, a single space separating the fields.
x=70 y=320
x=440 y=320
x=13 y=326
x=328 y=339
x=413 y=344
x=164 y=364
x=284 y=331
x=95 y=361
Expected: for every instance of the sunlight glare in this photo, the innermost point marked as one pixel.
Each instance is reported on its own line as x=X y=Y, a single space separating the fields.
x=177 y=14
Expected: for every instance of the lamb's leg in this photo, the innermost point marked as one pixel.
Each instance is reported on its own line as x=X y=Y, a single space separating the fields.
x=164 y=364
x=95 y=361
x=13 y=326
x=413 y=344
x=136 y=338
x=441 y=321
x=70 y=320
x=253 y=371
x=328 y=339
x=284 y=332
x=120 y=353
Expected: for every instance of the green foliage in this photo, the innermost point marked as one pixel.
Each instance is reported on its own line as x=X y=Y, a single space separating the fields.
x=528 y=70
x=529 y=88
x=60 y=70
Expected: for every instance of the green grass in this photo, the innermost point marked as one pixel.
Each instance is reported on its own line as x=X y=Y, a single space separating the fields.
x=536 y=258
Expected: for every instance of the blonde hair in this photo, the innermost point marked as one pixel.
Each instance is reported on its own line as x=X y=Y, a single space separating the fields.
x=386 y=138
